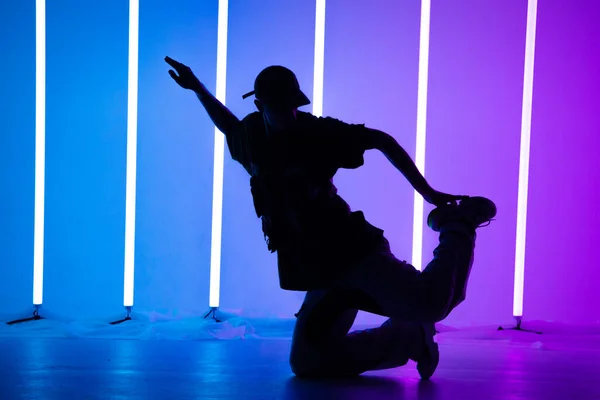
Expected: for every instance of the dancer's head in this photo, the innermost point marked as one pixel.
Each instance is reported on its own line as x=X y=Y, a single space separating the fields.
x=278 y=96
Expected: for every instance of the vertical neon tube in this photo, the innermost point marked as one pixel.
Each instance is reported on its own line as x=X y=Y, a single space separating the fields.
x=319 y=58
x=524 y=158
x=417 y=249
x=130 y=189
x=40 y=150
x=217 y=215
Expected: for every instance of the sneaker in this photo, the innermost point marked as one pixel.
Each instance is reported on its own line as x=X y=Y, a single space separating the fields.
x=430 y=360
x=476 y=211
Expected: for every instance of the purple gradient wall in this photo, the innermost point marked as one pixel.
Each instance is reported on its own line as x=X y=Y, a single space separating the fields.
x=474 y=117
x=562 y=274
x=371 y=69
x=477 y=53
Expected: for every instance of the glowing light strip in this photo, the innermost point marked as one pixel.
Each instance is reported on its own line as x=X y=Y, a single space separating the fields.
x=217 y=216
x=40 y=150
x=319 y=59
x=417 y=249
x=130 y=190
x=524 y=158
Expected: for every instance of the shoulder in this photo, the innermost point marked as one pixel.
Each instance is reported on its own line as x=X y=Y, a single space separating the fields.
x=241 y=140
x=252 y=121
x=328 y=124
x=331 y=123
x=252 y=127
x=330 y=128
x=253 y=116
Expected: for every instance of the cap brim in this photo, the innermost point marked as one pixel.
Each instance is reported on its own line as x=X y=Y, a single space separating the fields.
x=302 y=99
x=245 y=96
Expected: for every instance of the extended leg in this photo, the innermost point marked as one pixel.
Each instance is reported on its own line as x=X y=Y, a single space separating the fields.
x=426 y=297
x=322 y=347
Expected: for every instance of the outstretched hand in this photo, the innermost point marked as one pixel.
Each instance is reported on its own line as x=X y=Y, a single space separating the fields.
x=184 y=76
x=441 y=199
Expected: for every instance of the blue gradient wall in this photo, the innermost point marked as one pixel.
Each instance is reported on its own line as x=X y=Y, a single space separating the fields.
x=273 y=32
x=175 y=159
x=371 y=69
x=86 y=119
x=17 y=153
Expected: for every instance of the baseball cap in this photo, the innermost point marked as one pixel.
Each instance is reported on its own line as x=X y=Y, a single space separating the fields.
x=277 y=86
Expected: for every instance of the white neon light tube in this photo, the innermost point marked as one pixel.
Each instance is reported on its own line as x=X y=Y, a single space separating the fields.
x=217 y=215
x=417 y=248
x=130 y=189
x=40 y=150
x=319 y=58
x=524 y=159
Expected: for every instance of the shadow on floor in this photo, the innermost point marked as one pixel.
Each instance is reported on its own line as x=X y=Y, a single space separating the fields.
x=362 y=387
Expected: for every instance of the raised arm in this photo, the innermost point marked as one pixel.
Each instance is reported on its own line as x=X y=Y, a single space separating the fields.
x=400 y=159
x=220 y=115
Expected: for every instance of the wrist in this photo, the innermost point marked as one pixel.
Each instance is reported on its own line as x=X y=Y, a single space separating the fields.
x=199 y=89
x=428 y=192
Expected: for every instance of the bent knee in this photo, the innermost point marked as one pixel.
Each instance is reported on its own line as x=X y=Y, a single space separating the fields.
x=296 y=366
x=435 y=311
x=302 y=363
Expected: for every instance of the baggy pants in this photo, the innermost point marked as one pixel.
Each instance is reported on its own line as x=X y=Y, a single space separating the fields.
x=322 y=345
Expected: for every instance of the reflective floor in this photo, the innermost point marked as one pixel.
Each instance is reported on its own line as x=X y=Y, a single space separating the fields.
x=74 y=369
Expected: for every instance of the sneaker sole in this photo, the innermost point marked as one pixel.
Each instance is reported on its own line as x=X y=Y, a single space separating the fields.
x=487 y=205
x=427 y=367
